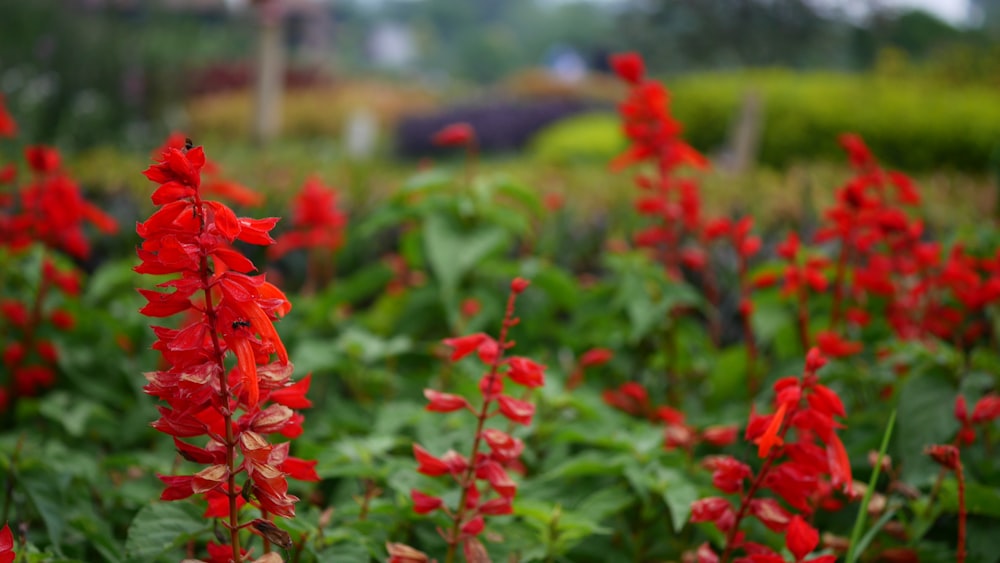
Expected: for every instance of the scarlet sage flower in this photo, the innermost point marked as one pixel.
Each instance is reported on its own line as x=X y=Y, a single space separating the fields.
x=215 y=182
x=801 y=468
x=229 y=313
x=494 y=453
x=317 y=223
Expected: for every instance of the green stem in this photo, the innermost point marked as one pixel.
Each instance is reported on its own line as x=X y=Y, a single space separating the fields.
x=859 y=523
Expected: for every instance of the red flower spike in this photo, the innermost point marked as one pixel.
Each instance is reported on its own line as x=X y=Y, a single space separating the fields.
x=800 y=537
x=229 y=313
x=482 y=467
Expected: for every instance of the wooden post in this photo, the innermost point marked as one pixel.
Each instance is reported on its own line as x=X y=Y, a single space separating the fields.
x=270 y=75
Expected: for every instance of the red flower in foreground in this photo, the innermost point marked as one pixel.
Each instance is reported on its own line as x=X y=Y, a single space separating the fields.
x=228 y=312
x=802 y=469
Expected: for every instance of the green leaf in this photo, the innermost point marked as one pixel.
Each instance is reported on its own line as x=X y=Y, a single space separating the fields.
x=728 y=377
x=46 y=491
x=160 y=527
x=925 y=418
x=454 y=250
x=426 y=181
x=982 y=540
x=980 y=499
x=72 y=413
x=678 y=493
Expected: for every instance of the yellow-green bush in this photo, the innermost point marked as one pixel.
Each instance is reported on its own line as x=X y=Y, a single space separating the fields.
x=587 y=137
x=911 y=124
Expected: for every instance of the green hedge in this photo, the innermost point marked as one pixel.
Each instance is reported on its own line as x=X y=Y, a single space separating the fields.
x=910 y=124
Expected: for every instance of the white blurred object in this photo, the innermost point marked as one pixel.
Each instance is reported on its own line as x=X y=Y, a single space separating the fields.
x=360 y=134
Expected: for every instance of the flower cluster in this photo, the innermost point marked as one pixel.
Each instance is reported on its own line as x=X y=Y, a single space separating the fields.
x=228 y=314
x=884 y=268
x=28 y=355
x=214 y=180
x=632 y=398
x=316 y=221
x=986 y=410
x=671 y=201
x=679 y=234
x=48 y=209
x=804 y=471
x=481 y=471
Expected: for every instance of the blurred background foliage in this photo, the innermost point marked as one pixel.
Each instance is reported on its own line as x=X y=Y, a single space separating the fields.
x=119 y=75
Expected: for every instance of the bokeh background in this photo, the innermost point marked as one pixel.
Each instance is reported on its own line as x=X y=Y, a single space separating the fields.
x=352 y=89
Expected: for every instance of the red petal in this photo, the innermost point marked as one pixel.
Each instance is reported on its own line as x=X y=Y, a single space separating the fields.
x=444 y=402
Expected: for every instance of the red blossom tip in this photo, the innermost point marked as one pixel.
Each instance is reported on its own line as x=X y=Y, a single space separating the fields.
x=519 y=285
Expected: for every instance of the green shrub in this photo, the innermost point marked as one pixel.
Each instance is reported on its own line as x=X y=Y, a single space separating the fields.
x=908 y=123
x=588 y=137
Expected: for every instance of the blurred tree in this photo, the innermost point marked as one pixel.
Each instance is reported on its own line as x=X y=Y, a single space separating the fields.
x=683 y=34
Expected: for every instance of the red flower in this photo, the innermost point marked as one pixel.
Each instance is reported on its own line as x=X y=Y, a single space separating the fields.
x=771 y=436
x=596 y=357
x=516 y=410
x=229 y=313
x=526 y=372
x=456 y=134
x=445 y=402
x=8 y=128
x=465 y=345
x=316 y=221
x=628 y=66
x=831 y=344
x=400 y=553
x=424 y=504
x=7 y=554
x=800 y=538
